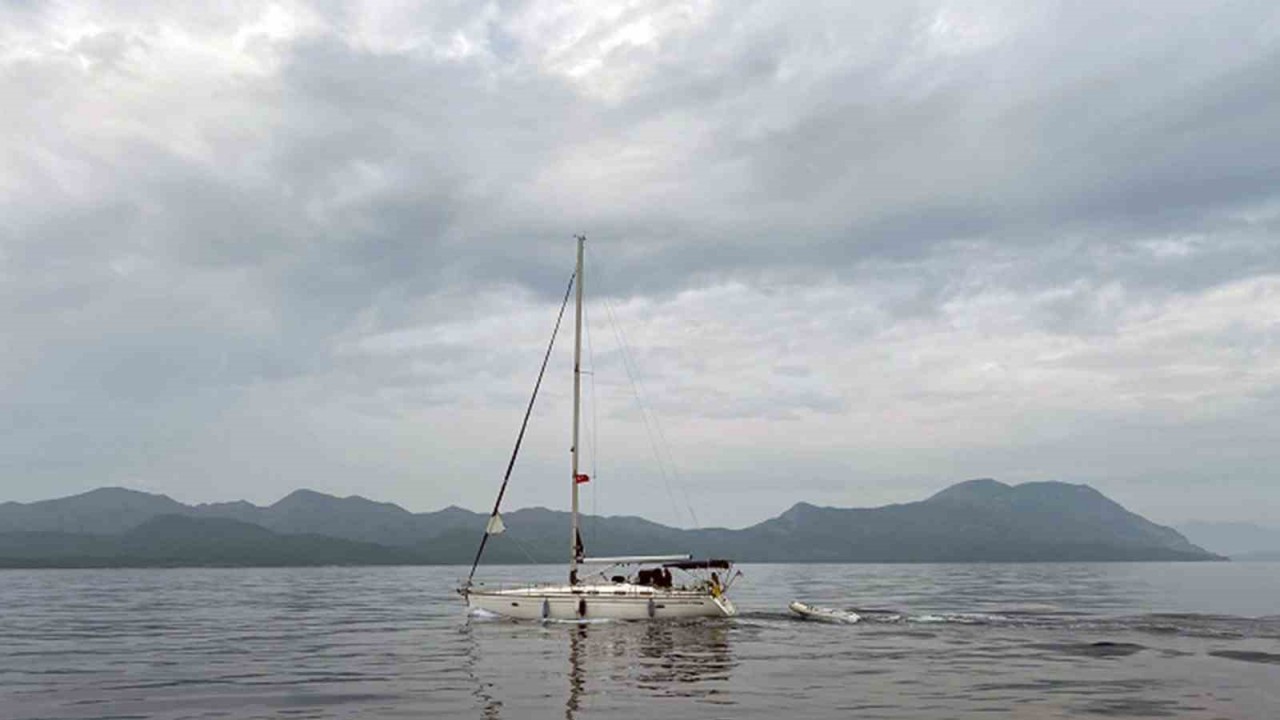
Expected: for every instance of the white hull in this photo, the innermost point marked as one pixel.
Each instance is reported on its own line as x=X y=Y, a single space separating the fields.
x=613 y=601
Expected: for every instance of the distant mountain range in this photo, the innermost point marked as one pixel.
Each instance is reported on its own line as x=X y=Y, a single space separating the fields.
x=973 y=521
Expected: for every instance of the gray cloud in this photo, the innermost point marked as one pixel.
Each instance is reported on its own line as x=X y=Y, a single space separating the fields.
x=879 y=248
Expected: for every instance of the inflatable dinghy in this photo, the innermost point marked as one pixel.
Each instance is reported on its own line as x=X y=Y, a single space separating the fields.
x=821 y=614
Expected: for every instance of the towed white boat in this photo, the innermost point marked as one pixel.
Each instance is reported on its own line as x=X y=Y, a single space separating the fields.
x=822 y=614
x=618 y=588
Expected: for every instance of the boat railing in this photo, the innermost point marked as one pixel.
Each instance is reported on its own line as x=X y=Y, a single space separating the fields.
x=502 y=586
x=594 y=589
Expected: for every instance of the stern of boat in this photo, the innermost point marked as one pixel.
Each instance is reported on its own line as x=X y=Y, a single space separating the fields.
x=726 y=605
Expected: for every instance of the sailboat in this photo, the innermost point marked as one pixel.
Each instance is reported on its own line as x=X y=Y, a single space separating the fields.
x=619 y=588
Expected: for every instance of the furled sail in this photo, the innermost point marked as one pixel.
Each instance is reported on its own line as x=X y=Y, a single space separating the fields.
x=495 y=526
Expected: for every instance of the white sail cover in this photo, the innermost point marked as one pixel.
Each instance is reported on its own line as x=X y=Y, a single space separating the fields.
x=495 y=526
x=634 y=559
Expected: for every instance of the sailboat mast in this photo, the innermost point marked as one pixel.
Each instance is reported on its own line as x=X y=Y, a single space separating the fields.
x=575 y=540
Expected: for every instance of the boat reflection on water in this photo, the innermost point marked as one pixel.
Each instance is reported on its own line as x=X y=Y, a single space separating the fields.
x=685 y=658
x=577 y=671
x=633 y=661
x=482 y=688
x=609 y=668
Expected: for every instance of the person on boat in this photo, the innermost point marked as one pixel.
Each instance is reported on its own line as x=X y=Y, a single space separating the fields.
x=716 y=589
x=661 y=577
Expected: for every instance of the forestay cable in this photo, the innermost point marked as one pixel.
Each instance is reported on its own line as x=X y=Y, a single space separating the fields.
x=523 y=426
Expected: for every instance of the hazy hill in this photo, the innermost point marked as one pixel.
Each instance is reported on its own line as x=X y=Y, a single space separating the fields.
x=113 y=510
x=1235 y=539
x=107 y=511
x=179 y=540
x=974 y=521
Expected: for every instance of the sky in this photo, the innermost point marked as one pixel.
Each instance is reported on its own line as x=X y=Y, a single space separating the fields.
x=846 y=253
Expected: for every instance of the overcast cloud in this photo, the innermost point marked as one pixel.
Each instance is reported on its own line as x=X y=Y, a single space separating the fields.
x=859 y=251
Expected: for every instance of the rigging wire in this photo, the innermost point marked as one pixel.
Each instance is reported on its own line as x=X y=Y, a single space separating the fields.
x=655 y=434
x=593 y=437
x=524 y=425
x=656 y=440
x=523 y=549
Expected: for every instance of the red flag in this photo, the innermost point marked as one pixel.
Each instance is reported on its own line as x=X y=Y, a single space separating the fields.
x=581 y=479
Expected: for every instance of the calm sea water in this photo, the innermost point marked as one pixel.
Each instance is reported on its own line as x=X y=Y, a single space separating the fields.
x=938 y=641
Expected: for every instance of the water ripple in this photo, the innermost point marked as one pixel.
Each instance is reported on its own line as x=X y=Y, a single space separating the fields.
x=1152 y=640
